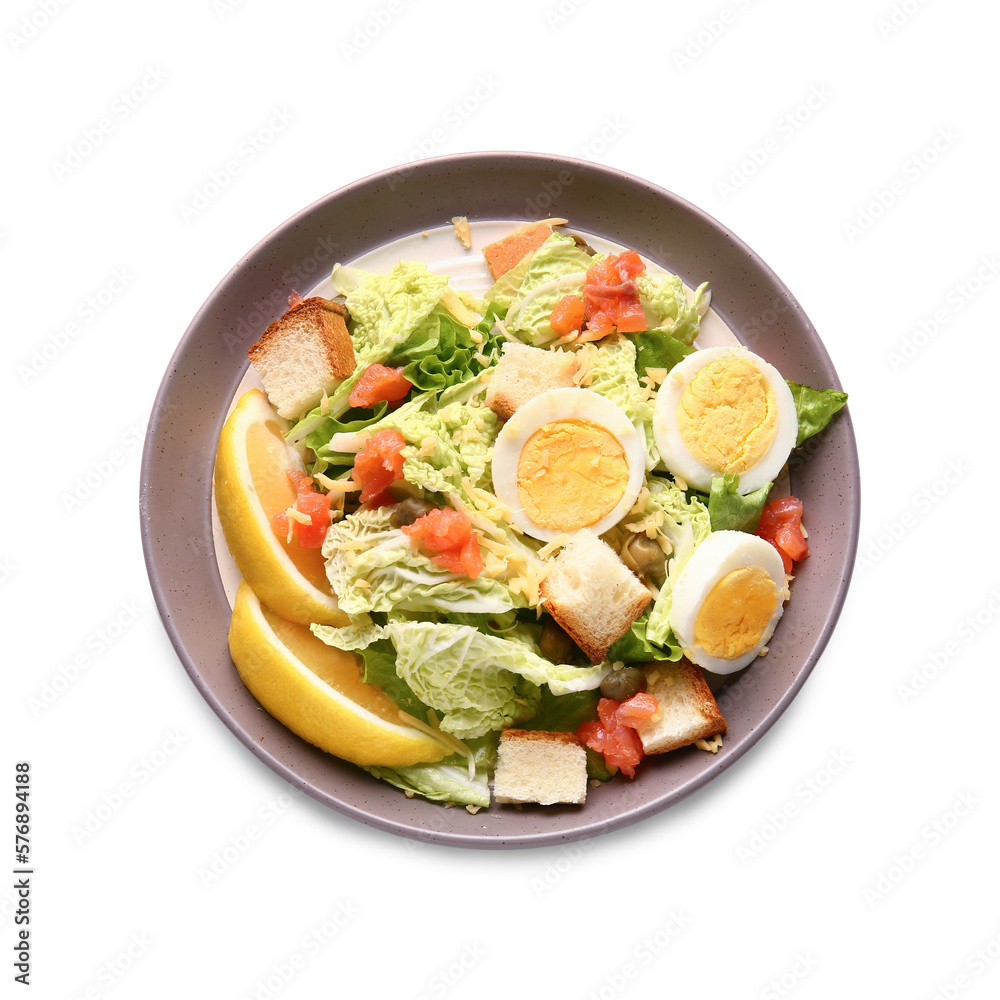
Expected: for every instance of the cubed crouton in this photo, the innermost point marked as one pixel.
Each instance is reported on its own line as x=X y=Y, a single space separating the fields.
x=305 y=353
x=686 y=711
x=592 y=594
x=525 y=372
x=542 y=767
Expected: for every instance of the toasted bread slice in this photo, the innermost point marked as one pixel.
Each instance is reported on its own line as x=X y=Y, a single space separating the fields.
x=592 y=594
x=304 y=353
x=687 y=710
x=525 y=372
x=536 y=766
x=504 y=254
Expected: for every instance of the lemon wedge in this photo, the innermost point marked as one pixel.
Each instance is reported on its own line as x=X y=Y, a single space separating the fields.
x=317 y=691
x=251 y=486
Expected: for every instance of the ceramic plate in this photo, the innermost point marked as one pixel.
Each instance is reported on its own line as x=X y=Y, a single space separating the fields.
x=379 y=218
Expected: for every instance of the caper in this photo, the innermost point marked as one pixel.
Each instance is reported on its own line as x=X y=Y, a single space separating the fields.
x=340 y=305
x=644 y=556
x=622 y=684
x=409 y=510
x=582 y=243
x=555 y=644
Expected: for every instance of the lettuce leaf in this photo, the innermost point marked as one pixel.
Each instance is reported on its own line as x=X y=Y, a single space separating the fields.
x=479 y=682
x=564 y=713
x=372 y=567
x=613 y=374
x=443 y=446
x=728 y=511
x=379 y=661
x=498 y=300
x=635 y=645
x=658 y=349
x=815 y=408
x=664 y=300
x=446 y=781
x=686 y=524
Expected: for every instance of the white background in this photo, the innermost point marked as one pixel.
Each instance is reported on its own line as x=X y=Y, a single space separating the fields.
x=881 y=879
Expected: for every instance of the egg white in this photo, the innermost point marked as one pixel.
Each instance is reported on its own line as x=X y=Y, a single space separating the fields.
x=718 y=555
x=565 y=404
x=674 y=451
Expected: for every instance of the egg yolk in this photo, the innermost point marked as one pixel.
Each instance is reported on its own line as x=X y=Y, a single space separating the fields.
x=570 y=474
x=727 y=415
x=734 y=615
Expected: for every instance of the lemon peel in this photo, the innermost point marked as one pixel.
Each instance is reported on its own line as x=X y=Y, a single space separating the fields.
x=266 y=564
x=317 y=691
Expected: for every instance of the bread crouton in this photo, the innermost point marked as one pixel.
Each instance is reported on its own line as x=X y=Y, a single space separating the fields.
x=536 y=766
x=592 y=594
x=687 y=710
x=304 y=353
x=502 y=255
x=524 y=372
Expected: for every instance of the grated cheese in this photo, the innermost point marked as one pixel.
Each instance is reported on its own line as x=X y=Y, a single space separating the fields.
x=294 y=514
x=712 y=746
x=557 y=543
x=462 y=231
x=337 y=485
x=435 y=732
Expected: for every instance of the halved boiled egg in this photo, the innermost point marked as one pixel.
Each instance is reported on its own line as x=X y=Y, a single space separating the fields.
x=724 y=409
x=727 y=600
x=568 y=459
